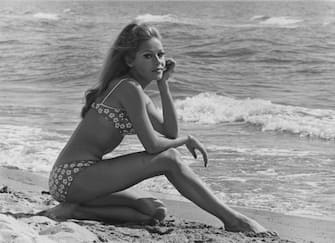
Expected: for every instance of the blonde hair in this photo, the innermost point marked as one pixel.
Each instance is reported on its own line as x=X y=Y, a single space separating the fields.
x=125 y=46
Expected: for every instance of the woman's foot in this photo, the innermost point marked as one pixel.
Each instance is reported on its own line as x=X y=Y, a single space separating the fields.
x=241 y=223
x=152 y=207
x=60 y=212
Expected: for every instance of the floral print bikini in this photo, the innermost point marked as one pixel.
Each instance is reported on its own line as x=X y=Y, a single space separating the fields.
x=62 y=176
x=118 y=116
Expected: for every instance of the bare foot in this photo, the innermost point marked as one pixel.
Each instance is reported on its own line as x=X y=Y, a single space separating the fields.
x=152 y=207
x=60 y=212
x=241 y=223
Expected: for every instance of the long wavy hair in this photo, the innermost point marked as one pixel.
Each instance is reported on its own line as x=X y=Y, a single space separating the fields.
x=125 y=46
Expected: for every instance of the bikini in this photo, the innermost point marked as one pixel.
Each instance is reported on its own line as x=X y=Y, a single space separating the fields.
x=118 y=116
x=62 y=176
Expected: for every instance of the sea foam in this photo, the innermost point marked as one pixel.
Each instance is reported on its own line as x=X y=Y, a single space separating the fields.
x=48 y=16
x=210 y=108
x=156 y=18
x=281 y=21
x=29 y=148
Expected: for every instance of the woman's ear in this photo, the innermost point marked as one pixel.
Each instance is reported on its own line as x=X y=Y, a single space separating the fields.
x=129 y=61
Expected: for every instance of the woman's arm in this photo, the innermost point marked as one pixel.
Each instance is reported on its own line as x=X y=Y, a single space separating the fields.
x=133 y=99
x=170 y=122
x=166 y=123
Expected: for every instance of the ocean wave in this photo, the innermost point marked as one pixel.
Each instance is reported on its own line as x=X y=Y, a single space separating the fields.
x=7 y=11
x=29 y=148
x=169 y=19
x=210 y=108
x=10 y=42
x=227 y=150
x=281 y=21
x=232 y=52
x=260 y=17
x=157 y=18
x=68 y=11
x=48 y=16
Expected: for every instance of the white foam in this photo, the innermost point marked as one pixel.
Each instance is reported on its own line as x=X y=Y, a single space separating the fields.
x=209 y=108
x=280 y=21
x=259 y=151
x=29 y=148
x=48 y=16
x=156 y=18
x=68 y=10
x=267 y=172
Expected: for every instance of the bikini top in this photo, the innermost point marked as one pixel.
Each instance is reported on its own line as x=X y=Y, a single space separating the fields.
x=118 y=116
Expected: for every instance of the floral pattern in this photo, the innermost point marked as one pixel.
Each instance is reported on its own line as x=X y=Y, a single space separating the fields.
x=118 y=116
x=62 y=176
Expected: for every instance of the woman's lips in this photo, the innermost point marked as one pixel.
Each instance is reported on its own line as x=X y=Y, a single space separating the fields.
x=156 y=70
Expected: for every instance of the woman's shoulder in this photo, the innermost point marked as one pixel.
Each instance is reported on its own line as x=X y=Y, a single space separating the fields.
x=127 y=85
x=121 y=81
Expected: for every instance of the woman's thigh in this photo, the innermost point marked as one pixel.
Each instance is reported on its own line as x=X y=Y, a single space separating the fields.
x=114 y=175
x=128 y=197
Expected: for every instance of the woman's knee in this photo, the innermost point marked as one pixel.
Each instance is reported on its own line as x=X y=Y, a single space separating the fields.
x=171 y=159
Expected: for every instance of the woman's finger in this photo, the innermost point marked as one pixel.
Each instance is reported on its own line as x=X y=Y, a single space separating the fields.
x=204 y=155
x=192 y=150
x=195 y=154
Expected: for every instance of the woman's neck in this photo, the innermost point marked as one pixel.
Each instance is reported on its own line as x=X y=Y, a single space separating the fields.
x=133 y=74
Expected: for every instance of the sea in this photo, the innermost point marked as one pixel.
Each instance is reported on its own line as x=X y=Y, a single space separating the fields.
x=254 y=82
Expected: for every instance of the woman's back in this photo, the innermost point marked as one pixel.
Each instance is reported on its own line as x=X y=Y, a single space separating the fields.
x=99 y=131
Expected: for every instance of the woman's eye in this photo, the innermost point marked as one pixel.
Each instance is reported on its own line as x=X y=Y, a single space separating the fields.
x=147 y=56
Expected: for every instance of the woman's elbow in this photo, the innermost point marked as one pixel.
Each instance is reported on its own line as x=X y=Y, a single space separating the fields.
x=152 y=150
x=172 y=134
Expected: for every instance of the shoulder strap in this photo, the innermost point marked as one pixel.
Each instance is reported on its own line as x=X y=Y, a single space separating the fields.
x=110 y=92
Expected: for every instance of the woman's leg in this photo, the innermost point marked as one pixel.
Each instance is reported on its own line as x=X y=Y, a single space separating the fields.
x=126 y=206
x=117 y=174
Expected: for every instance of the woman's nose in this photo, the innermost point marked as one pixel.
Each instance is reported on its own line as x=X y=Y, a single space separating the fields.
x=158 y=60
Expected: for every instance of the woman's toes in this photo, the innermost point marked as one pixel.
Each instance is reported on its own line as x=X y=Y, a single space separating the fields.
x=152 y=207
x=62 y=211
x=160 y=213
x=241 y=223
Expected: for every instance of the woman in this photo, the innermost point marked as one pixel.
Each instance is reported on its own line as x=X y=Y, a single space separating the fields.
x=89 y=187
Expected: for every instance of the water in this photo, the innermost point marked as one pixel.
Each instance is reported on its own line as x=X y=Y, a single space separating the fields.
x=254 y=82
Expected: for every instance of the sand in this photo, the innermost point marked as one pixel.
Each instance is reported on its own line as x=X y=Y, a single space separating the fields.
x=23 y=194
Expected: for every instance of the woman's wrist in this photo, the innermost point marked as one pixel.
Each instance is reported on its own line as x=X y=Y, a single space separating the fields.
x=162 y=84
x=183 y=140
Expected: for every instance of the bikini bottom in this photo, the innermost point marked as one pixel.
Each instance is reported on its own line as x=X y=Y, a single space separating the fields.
x=62 y=176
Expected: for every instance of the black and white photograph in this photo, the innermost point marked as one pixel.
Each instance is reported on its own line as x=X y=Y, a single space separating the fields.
x=167 y=121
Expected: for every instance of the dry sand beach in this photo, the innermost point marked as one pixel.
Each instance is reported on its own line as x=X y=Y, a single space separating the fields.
x=23 y=193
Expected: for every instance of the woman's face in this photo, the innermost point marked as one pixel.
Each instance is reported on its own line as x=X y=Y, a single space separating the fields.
x=149 y=62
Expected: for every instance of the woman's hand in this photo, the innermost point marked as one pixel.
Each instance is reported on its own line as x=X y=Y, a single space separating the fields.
x=170 y=65
x=193 y=144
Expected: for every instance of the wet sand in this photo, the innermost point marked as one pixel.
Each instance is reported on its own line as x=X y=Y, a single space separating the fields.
x=23 y=194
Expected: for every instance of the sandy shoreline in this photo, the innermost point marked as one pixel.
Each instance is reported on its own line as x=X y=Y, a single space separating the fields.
x=21 y=196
